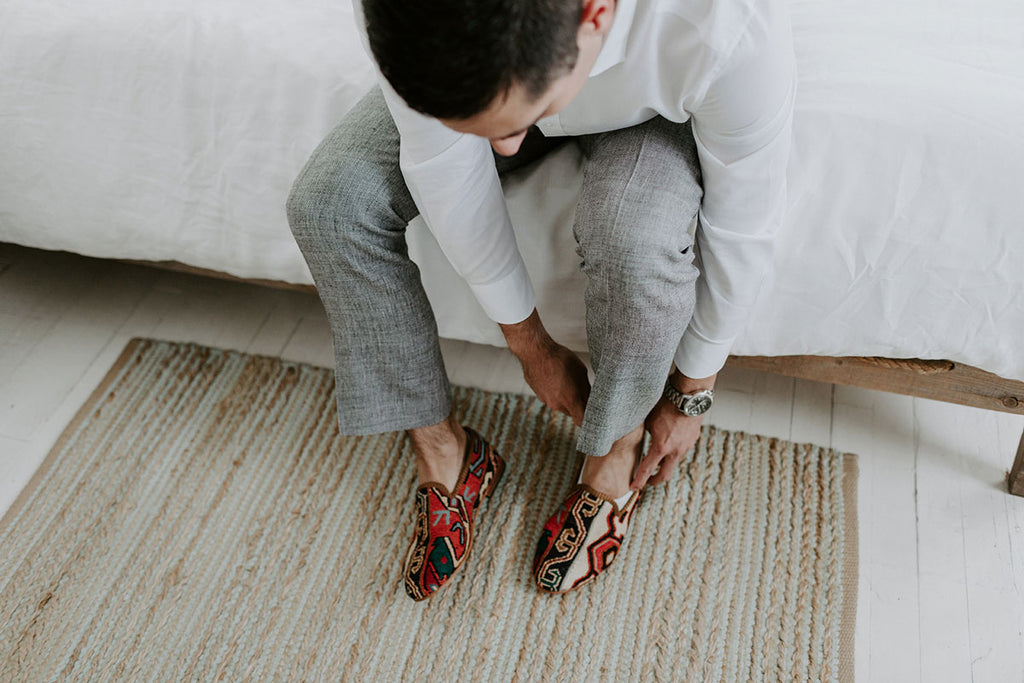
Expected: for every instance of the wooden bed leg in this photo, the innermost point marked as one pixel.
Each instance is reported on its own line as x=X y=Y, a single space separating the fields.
x=1015 y=481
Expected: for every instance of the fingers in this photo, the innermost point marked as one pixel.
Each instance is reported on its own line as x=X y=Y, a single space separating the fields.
x=665 y=472
x=577 y=416
x=581 y=384
x=672 y=436
x=656 y=468
x=648 y=466
x=579 y=406
x=574 y=406
x=560 y=381
x=585 y=391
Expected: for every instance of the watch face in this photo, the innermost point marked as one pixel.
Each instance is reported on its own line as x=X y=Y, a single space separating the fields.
x=697 y=405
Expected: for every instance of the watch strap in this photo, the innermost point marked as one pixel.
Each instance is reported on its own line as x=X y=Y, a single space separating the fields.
x=679 y=399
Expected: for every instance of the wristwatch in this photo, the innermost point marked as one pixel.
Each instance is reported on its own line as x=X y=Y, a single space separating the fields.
x=689 y=404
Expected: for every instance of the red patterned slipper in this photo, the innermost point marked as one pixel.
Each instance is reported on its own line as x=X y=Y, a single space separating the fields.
x=444 y=522
x=581 y=539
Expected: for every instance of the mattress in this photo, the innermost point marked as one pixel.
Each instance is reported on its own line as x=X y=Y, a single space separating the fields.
x=162 y=130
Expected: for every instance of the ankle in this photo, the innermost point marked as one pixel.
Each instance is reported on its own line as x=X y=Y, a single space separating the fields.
x=612 y=474
x=438 y=450
x=628 y=448
x=606 y=475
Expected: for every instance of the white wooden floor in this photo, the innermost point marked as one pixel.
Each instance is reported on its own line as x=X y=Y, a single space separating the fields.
x=941 y=593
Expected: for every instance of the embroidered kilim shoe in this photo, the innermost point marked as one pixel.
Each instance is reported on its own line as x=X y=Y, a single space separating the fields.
x=444 y=521
x=581 y=539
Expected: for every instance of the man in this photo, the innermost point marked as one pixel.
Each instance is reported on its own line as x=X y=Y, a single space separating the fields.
x=683 y=111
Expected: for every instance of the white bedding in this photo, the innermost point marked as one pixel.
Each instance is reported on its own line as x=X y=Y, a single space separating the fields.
x=168 y=130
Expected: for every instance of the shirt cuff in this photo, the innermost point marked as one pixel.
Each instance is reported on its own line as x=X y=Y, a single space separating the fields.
x=698 y=358
x=507 y=300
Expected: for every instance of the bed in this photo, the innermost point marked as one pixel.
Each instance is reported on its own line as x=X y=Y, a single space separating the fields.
x=171 y=132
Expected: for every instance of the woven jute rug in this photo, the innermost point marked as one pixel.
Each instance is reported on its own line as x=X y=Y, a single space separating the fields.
x=201 y=519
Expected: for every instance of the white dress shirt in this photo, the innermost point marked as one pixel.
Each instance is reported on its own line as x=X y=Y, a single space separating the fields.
x=726 y=64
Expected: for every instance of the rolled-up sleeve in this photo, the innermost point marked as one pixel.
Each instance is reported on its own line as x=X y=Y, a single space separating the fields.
x=743 y=129
x=454 y=182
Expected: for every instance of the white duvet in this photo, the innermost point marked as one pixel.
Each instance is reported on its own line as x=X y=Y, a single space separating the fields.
x=168 y=130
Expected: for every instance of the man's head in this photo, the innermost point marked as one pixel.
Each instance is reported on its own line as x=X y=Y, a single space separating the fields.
x=488 y=67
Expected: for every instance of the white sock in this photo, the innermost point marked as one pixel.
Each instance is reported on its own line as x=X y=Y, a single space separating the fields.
x=620 y=501
x=623 y=499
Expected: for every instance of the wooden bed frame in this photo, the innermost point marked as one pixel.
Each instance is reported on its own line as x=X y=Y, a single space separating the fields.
x=941 y=380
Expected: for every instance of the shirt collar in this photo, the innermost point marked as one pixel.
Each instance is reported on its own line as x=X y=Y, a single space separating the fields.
x=614 y=49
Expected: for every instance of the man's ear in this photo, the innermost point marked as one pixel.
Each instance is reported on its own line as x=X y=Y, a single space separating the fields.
x=598 y=15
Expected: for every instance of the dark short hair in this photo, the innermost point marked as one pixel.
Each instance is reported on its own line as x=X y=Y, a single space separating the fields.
x=451 y=59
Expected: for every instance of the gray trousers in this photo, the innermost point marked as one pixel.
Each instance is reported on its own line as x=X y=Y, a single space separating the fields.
x=349 y=209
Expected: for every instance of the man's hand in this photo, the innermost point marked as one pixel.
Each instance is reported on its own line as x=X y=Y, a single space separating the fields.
x=672 y=434
x=556 y=374
x=559 y=378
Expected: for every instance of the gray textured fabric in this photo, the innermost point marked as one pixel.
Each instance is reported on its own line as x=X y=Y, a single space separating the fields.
x=641 y=193
x=349 y=209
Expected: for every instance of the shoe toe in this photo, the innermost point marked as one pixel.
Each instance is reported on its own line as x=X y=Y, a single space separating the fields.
x=580 y=540
x=440 y=544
